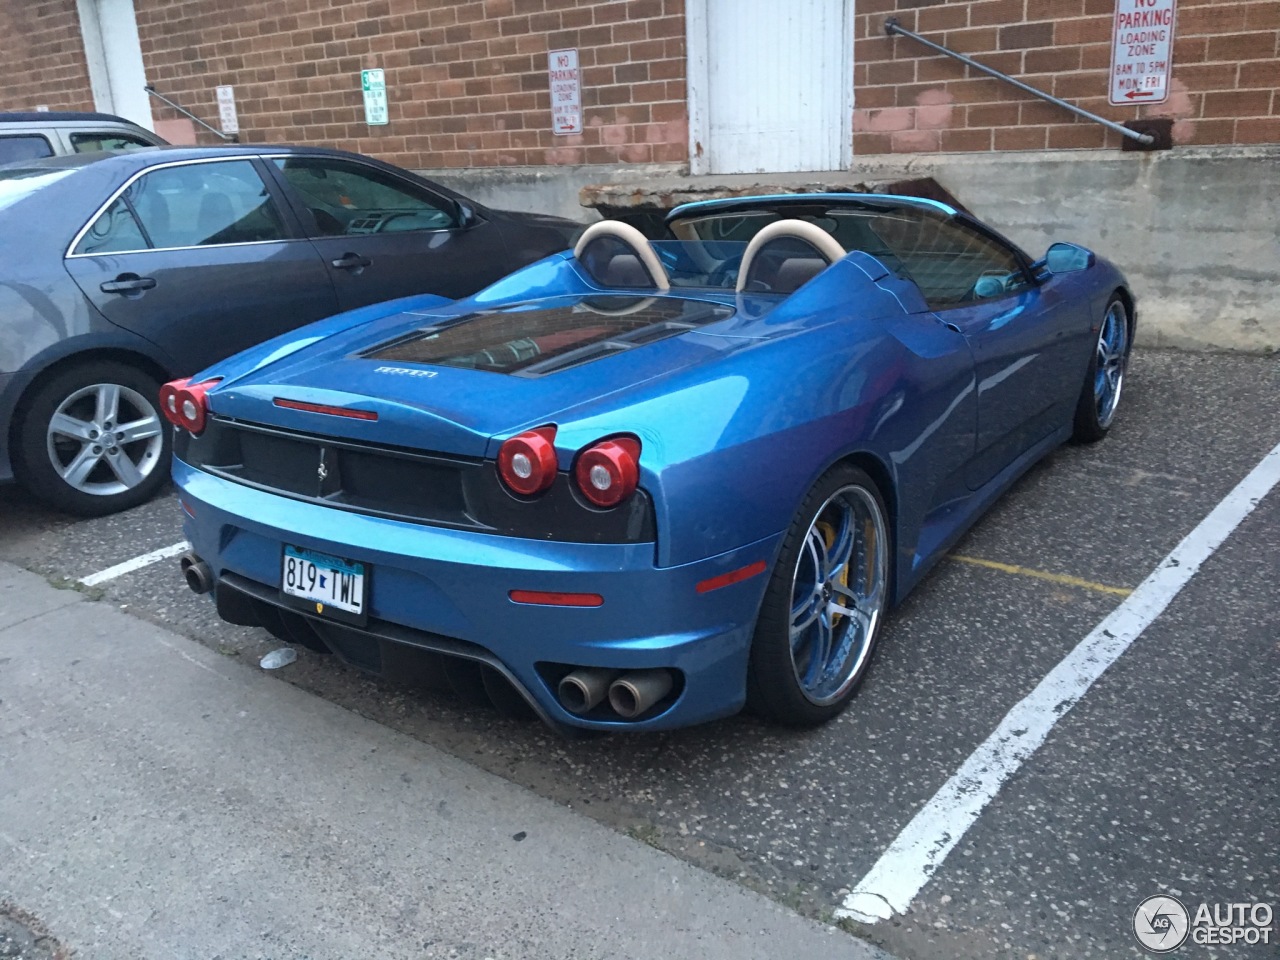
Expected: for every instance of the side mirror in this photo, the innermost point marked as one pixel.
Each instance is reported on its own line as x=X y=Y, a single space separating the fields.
x=466 y=214
x=1064 y=258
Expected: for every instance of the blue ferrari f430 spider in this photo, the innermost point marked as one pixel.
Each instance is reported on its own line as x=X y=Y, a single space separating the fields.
x=639 y=484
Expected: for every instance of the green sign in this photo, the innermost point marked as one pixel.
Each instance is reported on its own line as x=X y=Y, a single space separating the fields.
x=374 y=85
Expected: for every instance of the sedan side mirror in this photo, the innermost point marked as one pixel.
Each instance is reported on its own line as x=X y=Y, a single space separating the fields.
x=1064 y=258
x=466 y=215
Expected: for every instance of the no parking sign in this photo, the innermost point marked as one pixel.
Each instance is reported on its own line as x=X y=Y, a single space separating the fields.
x=1142 y=51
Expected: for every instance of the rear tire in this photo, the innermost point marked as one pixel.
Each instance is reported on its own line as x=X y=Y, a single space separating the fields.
x=825 y=603
x=91 y=441
x=1104 y=382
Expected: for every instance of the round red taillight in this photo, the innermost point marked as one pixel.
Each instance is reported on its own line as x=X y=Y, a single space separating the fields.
x=183 y=403
x=169 y=400
x=609 y=471
x=527 y=462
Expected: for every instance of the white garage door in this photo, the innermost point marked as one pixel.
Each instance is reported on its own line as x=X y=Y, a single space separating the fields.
x=770 y=85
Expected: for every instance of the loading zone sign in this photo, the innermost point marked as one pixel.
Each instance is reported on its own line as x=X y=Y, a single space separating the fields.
x=566 y=91
x=1142 y=55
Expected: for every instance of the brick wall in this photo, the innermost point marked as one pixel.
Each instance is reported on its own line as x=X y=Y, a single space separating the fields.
x=43 y=57
x=468 y=86
x=1226 y=66
x=466 y=81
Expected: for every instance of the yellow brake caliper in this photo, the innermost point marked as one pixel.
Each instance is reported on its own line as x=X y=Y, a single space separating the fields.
x=829 y=538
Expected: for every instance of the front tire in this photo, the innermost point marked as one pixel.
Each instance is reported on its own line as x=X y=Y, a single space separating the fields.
x=1104 y=383
x=91 y=440
x=825 y=603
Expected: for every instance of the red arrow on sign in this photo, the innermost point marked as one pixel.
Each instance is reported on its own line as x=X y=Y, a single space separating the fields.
x=1134 y=94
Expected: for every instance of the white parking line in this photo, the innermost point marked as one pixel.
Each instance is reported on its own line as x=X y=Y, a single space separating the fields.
x=919 y=850
x=137 y=563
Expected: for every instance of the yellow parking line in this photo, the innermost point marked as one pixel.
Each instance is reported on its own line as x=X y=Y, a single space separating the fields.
x=1062 y=578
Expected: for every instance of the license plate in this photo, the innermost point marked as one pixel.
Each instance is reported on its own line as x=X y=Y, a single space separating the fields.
x=323 y=584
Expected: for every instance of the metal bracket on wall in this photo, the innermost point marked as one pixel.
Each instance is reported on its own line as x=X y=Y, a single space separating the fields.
x=225 y=137
x=892 y=27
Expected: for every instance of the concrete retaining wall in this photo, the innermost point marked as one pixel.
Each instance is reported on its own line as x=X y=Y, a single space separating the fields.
x=1195 y=229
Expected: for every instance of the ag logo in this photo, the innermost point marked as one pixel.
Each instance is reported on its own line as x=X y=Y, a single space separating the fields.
x=1161 y=924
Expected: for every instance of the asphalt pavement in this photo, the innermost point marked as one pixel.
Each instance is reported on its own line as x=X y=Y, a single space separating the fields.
x=1162 y=779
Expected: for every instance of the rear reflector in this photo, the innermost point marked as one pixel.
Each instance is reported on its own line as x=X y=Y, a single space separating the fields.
x=557 y=599
x=732 y=577
x=326 y=409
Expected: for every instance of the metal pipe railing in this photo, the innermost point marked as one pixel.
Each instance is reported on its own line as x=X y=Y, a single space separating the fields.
x=892 y=26
x=225 y=137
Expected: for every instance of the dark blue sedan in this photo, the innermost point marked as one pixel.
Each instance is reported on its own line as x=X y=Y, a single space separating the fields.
x=638 y=484
x=124 y=270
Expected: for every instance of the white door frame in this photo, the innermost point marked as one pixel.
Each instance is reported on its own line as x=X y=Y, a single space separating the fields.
x=121 y=61
x=698 y=85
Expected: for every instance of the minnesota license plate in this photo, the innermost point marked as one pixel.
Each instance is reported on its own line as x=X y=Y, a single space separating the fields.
x=323 y=584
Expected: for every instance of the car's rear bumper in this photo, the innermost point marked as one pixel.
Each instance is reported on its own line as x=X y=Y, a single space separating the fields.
x=431 y=584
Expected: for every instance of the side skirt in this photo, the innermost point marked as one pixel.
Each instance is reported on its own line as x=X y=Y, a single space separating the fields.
x=944 y=527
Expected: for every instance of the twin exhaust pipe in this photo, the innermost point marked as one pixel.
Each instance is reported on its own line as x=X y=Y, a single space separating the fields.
x=196 y=572
x=629 y=694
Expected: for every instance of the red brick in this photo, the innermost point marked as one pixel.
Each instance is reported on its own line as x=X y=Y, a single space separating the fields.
x=1237 y=103
x=1206 y=132
x=1263 y=73
x=1020 y=138
x=1242 y=46
x=994 y=12
x=871 y=143
x=1258 y=130
x=1077 y=136
x=966 y=141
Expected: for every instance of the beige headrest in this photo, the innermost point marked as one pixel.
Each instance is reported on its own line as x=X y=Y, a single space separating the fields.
x=634 y=239
x=811 y=233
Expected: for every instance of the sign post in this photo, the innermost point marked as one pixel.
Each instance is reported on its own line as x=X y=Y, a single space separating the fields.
x=228 y=120
x=1142 y=51
x=566 y=92
x=373 y=84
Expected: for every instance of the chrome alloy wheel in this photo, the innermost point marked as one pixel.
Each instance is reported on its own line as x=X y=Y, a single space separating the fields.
x=1113 y=359
x=838 y=593
x=105 y=439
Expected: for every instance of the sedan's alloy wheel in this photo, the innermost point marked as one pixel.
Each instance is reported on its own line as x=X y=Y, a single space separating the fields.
x=104 y=439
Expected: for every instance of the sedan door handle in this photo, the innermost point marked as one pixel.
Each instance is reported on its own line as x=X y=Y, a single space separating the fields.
x=127 y=283
x=351 y=261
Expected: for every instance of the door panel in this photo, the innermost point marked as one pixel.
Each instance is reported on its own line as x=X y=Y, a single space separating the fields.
x=197 y=258
x=1017 y=348
x=382 y=236
x=1018 y=331
x=211 y=302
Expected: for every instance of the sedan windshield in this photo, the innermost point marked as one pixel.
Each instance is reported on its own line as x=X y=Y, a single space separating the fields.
x=17 y=183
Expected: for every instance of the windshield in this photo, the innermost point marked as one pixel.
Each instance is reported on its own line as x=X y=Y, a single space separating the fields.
x=870 y=230
x=17 y=183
